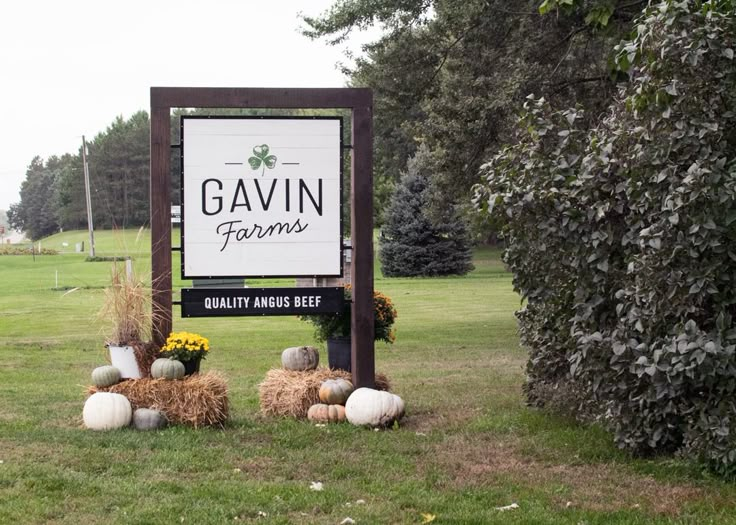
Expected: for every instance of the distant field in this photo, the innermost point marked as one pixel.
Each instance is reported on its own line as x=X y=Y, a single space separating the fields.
x=467 y=445
x=118 y=242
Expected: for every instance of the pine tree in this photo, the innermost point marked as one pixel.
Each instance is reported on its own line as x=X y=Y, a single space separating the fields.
x=412 y=244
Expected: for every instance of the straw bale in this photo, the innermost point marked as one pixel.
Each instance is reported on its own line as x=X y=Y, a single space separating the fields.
x=197 y=400
x=290 y=393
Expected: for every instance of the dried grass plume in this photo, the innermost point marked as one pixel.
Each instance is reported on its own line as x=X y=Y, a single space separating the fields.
x=126 y=307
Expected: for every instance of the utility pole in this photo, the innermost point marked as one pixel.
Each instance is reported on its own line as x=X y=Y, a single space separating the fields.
x=89 y=200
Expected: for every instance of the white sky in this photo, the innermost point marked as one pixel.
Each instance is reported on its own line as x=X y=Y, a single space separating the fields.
x=68 y=68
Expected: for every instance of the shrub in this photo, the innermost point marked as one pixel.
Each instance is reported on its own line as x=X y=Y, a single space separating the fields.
x=623 y=239
x=327 y=326
x=106 y=258
x=14 y=249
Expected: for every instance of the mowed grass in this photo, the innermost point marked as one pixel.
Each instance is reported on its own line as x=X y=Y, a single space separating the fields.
x=467 y=446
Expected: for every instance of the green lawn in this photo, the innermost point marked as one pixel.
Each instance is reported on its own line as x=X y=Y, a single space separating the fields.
x=467 y=445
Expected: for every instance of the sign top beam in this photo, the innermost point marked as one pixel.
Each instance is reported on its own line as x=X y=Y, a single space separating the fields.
x=201 y=97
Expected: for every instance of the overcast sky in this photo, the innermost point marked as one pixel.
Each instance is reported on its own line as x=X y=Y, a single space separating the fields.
x=70 y=67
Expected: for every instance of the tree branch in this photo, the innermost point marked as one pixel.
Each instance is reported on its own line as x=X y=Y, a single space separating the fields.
x=571 y=34
x=562 y=85
x=446 y=54
x=567 y=52
x=630 y=4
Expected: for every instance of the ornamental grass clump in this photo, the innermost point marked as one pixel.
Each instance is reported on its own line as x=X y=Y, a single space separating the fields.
x=327 y=326
x=126 y=307
x=185 y=346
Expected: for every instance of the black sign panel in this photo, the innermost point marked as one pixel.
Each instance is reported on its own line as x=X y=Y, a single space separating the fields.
x=235 y=302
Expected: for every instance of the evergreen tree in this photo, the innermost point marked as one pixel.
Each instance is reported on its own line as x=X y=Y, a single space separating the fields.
x=119 y=173
x=70 y=193
x=414 y=244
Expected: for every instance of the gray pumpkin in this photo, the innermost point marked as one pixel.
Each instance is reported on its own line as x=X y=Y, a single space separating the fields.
x=167 y=369
x=104 y=376
x=300 y=358
x=148 y=419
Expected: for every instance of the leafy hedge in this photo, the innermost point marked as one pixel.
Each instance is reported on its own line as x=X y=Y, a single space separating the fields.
x=622 y=239
x=107 y=258
x=14 y=249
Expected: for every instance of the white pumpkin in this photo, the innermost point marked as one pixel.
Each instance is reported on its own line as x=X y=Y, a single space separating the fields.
x=374 y=408
x=107 y=411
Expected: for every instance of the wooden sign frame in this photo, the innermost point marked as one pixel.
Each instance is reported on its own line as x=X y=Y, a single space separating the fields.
x=360 y=102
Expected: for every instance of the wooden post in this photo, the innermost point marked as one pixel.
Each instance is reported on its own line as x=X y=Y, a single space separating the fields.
x=361 y=228
x=160 y=222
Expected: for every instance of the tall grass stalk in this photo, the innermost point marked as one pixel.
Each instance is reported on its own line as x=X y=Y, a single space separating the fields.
x=127 y=306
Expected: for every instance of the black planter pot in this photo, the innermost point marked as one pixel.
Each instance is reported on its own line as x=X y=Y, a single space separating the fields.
x=191 y=367
x=338 y=353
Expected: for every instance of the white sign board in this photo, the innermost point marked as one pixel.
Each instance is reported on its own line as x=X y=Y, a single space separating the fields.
x=261 y=197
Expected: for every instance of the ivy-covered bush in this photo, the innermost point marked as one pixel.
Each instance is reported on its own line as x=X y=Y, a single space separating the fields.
x=622 y=239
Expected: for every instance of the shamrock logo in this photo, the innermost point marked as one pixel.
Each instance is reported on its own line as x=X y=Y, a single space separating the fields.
x=262 y=158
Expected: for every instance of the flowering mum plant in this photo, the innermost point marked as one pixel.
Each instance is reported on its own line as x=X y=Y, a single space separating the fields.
x=327 y=326
x=185 y=346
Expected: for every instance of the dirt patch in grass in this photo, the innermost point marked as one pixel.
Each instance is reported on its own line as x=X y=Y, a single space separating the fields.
x=15 y=452
x=477 y=461
x=425 y=420
x=454 y=412
x=258 y=468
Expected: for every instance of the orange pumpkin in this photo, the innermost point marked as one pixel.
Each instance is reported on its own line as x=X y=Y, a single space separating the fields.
x=335 y=391
x=321 y=413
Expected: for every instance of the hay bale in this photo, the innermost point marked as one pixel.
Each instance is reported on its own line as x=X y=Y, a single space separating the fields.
x=291 y=393
x=198 y=400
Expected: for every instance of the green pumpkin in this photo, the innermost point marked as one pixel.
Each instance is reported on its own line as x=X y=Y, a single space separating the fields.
x=104 y=376
x=167 y=369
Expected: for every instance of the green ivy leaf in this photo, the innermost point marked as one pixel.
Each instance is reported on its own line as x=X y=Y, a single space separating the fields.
x=599 y=16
